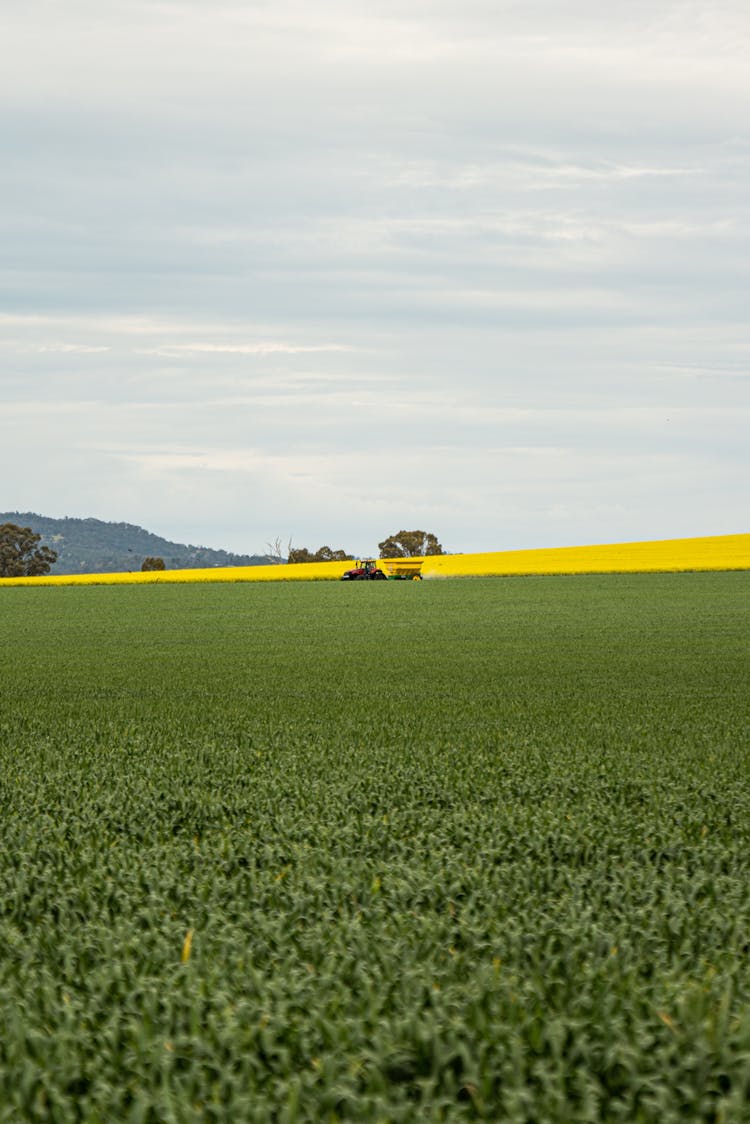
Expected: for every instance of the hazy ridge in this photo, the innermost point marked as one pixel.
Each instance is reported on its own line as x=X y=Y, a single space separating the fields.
x=93 y=546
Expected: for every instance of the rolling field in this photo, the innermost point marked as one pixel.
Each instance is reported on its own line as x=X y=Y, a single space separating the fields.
x=376 y=852
x=710 y=553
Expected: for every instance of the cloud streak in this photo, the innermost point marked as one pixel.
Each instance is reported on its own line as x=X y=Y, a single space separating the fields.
x=178 y=350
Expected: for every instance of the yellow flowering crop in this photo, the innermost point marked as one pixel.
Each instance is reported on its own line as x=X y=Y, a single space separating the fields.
x=717 y=552
x=305 y=571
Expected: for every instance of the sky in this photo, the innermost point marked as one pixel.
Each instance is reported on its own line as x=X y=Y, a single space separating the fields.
x=273 y=270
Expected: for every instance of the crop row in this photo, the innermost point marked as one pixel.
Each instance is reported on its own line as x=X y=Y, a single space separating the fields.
x=449 y=851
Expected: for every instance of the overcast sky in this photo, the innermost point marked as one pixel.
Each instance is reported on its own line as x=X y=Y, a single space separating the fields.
x=273 y=268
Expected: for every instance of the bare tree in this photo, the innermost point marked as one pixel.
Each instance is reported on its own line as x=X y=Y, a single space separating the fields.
x=275 y=553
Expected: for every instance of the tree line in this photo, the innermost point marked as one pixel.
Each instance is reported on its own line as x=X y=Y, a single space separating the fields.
x=22 y=556
x=404 y=544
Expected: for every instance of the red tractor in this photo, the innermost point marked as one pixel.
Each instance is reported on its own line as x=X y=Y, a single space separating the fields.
x=363 y=572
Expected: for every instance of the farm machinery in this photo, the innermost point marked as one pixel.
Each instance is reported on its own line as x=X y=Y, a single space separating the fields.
x=385 y=569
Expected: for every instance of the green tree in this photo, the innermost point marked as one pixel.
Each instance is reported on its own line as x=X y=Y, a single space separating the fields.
x=20 y=554
x=153 y=564
x=410 y=544
x=325 y=554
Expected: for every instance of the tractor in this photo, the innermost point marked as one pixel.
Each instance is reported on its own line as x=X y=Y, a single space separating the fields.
x=394 y=569
x=363 y=572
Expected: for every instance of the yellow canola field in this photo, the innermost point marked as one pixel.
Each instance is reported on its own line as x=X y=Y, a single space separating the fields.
x=717 y=552
x=302 y=571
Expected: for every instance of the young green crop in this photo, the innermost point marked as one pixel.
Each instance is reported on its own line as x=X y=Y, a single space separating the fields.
x=388 y=851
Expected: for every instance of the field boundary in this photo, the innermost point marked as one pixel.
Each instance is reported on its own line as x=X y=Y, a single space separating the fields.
x=709 y=553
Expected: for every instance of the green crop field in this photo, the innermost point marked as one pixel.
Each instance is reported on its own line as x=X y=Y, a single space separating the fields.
x=376 y=852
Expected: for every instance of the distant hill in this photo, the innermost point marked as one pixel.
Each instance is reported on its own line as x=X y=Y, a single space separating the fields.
x=91 y=546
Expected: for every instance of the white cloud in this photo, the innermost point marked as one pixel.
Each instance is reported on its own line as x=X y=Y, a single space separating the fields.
x=178 y=350
x=73 y=348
